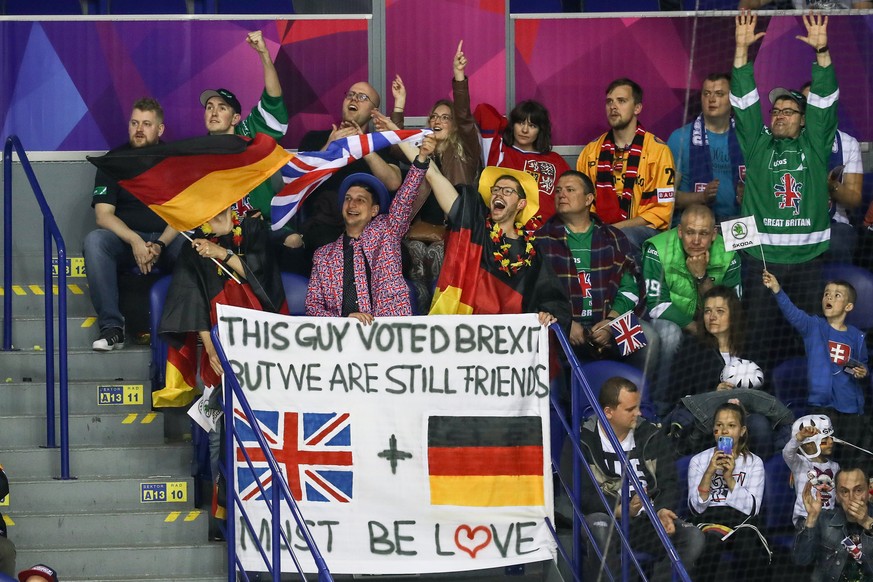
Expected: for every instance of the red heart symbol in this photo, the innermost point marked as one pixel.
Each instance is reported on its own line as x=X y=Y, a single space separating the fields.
x=471 y=534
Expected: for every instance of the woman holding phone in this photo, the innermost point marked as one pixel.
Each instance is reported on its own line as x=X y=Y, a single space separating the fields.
x=725 y=490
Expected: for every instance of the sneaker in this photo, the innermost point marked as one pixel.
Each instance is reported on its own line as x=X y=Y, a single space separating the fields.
x=110 y=339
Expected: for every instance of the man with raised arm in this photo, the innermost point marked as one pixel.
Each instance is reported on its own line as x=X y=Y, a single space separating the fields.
x=360 y=274
x=223 y=115
x=128 y=233
x=786 y=176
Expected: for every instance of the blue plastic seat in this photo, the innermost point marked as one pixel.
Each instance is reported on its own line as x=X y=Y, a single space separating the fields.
x=623 y=6
x=790 y=384
x=861 y=279
x=140 y=7
x=600 y=371
x=779 y=496
x=254 y=6
x=157 y=298
x=295 y=292
x=47 y=7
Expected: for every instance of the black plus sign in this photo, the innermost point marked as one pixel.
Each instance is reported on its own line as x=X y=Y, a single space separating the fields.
x=393 y=454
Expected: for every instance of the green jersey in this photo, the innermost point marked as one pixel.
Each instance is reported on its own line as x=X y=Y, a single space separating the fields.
x=269 y=116
x=580 y=249
x=786 y=179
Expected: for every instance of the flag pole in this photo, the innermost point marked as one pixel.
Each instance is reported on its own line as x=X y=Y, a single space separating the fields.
x=216 y=261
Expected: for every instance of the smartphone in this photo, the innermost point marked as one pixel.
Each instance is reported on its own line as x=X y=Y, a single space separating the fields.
x=852 y=363
x=726 y=444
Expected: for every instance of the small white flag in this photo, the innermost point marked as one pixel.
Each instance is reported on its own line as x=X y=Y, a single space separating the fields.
x=740 y=233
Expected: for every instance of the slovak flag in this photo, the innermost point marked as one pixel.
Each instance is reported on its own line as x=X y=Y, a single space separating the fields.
x=308 y=170
x=628 y=333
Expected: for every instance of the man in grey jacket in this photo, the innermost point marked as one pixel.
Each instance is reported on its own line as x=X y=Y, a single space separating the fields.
x=838 y=541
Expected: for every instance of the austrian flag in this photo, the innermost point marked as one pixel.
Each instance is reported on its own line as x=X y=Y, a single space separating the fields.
x=628 y=333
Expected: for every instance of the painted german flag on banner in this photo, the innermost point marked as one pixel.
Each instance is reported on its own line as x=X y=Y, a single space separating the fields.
x=485 y=461
x=189 y=181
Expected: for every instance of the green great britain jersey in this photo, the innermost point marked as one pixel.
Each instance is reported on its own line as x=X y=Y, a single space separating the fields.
x=269 y=116
x=786 y=179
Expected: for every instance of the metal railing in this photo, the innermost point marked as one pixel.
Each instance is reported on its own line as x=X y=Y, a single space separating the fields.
x=280 y=491
x=582 y=394
x=51 y=232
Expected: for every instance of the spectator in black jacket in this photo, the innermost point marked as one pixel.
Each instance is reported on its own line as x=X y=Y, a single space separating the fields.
x=652 y=457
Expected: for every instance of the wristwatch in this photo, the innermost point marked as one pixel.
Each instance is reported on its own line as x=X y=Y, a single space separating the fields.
x=700 y=279
x=227 y=257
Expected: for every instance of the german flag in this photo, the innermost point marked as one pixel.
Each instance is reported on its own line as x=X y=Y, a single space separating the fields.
x=190 y=181
x=485 y=461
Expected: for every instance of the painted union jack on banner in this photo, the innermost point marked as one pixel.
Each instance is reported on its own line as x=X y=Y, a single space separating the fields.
x=628 y=333
x=313 y=451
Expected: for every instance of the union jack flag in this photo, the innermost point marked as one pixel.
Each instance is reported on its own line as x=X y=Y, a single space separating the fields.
x=313 y=451
x=308 y=170
x=585 y=283
x=628 y=333
x=790 y=193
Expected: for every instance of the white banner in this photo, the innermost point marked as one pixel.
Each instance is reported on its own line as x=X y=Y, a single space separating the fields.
x=415 y=444
x=740 y=233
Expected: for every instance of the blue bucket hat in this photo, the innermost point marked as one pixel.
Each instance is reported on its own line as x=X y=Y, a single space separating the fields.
x=381 y=196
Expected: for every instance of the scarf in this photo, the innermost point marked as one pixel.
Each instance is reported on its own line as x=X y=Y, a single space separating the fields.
x=611 y=206
x=700 y=161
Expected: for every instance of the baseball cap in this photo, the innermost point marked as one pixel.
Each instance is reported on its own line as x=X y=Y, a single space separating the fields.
x=383 y=198
x=224 y=94
x=45 y=572
x=783 y=93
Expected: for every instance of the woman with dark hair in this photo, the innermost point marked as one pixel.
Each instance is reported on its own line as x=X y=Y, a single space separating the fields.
x=526 y=145
x=712 y=359
x=725 y=491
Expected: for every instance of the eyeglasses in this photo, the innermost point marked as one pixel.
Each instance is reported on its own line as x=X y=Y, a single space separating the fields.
x=505 y=190
x=444 y=117
x=360 y=97
x=789 y=112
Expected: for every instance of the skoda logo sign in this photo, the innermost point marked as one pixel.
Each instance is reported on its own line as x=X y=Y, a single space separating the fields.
x=740 y=231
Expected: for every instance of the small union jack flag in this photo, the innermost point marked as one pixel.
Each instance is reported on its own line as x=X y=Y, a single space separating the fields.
x=628 y=333
x=313 y=451
x=789 y=192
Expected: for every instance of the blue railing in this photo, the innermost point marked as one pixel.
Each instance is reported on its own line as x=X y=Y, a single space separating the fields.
x=582 y=394
x=279 y=490
x=50 y=232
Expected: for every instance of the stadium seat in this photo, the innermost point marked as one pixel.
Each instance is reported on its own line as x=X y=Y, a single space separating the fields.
x=625 y=6
x=158 y=365
x=254 y=6
x=46 y=7
x=535 y=6
x=862 y=280
x=295 y=292
x=140 y=7
x=790 y=384
x=600 y=371
x=778 y=503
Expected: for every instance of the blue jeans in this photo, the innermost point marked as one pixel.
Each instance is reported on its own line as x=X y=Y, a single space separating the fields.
x=637 y=235
x=105 y=254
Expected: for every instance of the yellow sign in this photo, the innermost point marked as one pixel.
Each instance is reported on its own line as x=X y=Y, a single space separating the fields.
x=119 y=395
x=4 y=502
x=170 y=492
x=74 y=267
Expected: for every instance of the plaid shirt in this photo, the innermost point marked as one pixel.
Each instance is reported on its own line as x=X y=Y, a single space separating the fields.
x=611 y=257
x=380 y=243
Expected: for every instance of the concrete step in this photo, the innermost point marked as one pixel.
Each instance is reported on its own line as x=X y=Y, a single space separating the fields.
x=28 y=332
x=102 y=429
x=84 y=397
x=90 y=462
x=129 y=363
x=134 y=562
x=28 y=296
x=74 y=496
x=169 y=526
